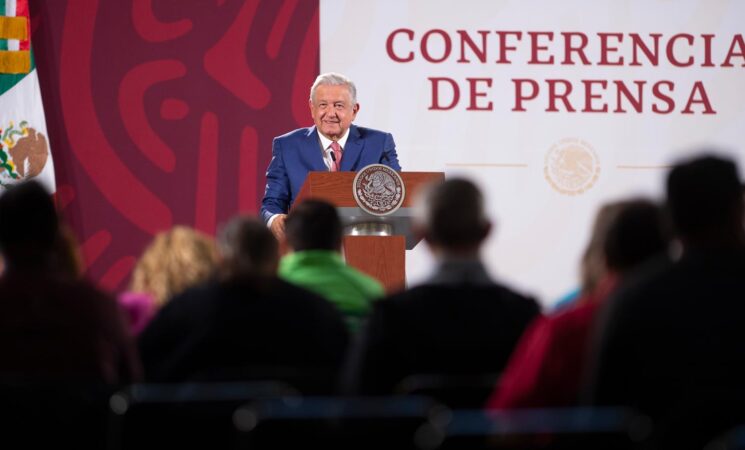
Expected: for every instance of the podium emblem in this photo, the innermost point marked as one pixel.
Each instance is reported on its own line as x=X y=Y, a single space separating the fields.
x=378 y=189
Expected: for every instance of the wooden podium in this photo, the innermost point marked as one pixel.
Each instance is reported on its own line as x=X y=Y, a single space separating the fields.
x=380 y=256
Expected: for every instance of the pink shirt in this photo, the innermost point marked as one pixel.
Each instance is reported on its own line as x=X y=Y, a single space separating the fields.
x=140 y=308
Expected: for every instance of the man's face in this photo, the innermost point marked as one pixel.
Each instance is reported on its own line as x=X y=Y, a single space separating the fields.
x=332 y=110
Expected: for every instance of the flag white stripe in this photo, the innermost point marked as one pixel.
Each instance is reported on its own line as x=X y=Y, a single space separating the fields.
x=23 y=102
x=10 y=8
x=10 y=11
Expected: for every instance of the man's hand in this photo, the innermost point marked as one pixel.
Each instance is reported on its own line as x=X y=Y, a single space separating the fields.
x=278 y=227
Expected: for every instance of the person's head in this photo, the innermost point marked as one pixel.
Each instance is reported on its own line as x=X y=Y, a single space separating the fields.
x=313 y=225
x=593 y=265
x=705 y=203
x=333 y=104
x=637 y=233
x=451 y=217
x=625 y=234
x=174 y=261
x=247 y=248
x=29 y=226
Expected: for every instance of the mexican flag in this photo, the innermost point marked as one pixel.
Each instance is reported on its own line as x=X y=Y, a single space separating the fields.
x=24 y=146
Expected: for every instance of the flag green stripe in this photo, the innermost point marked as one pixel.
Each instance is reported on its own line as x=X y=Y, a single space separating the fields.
x=8 y=80
x=3 y=42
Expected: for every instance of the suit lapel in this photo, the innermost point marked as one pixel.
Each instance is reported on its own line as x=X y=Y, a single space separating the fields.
x=352 y=150
x=311 y=152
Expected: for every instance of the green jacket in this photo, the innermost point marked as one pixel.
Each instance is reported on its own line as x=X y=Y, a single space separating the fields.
x=325 y=273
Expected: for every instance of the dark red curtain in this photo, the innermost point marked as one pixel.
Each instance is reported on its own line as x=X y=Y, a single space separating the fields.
x=161 y=112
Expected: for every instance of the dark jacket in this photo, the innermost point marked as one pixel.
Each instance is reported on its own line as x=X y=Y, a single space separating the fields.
x=438 y=329
x=57 y=329
x=670 y=344
x=242 y=329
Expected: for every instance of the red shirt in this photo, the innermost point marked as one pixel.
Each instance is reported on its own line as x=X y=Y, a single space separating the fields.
x=546 y=367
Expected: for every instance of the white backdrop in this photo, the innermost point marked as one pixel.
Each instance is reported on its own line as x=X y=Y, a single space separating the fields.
x=544 y=173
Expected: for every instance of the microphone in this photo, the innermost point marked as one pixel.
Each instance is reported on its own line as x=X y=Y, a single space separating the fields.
x=333 y=159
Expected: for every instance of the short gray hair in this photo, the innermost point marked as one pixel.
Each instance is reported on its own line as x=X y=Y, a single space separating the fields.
x=334 y=79
x=247 y=247
x=452 y=213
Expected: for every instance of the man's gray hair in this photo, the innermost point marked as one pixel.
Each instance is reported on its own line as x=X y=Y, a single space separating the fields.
x=452 y=213
x=334 y=79
x=246 y=247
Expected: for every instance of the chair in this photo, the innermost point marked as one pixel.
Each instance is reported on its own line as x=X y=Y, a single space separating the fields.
x=305 y=380
x=334 y=423
x=706 y=416
x=733 y=439
x=182 y=415
x=46 y=414
x=453 y=390
x=555 y=429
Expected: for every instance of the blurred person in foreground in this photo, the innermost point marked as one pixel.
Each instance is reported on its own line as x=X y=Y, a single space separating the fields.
x=175 y=260
x=460 y=321
x=670 y=342
x=314 y=235
x=593 y=268
x=247 y=323
x=547 y=366
x=54 y=326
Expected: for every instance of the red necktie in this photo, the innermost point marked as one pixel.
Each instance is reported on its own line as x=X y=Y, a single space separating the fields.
x=336 y=160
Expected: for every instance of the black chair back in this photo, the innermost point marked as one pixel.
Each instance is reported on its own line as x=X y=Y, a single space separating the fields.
x=54 y=414
x=454 y=390
x=334 y=423
x=182 y=415
x=555 y=429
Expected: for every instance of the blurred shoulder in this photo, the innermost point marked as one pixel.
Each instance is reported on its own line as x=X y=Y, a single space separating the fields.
x=463 y=292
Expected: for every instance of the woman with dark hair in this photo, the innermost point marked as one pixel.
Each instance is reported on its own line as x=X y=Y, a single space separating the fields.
x=54 y=326
x=547 y=365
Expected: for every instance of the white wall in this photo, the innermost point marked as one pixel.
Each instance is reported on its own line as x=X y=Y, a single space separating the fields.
x=540 y=231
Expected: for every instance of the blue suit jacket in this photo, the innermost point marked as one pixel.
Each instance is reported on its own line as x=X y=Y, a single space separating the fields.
x=298 y=152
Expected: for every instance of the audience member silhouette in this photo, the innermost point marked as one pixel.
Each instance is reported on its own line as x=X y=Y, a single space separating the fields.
x=592 y=266
x=54 y=326
x=459 y=321
x=247 y=324
x=548 y=363
x=670 y=344
x=314 y=235
x=175 y=260
x=67 y=257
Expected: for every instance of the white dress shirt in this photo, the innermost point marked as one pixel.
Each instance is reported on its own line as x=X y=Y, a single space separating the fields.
x=326 y=146
x=327 y=151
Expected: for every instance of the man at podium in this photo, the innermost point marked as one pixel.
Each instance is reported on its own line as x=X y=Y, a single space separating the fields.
x=332 y=144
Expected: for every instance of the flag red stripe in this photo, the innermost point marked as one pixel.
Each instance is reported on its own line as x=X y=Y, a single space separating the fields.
x=22 y=11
